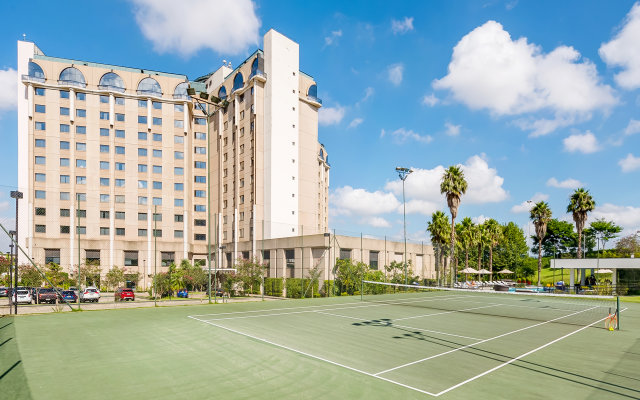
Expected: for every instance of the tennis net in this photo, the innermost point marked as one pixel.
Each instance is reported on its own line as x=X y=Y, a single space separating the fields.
x=579 y=310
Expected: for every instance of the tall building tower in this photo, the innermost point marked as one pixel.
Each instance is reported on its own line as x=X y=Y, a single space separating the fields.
x=113 y=160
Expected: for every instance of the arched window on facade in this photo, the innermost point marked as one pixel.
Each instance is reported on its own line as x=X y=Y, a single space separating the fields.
x=238 y=82
x=222 y=93
x=149 y=86
x=35 y=71
x=72 y=76
x=111 y=81
x=181 y=91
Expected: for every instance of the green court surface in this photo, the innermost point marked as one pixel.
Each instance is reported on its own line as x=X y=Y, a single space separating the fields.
x=409 y=346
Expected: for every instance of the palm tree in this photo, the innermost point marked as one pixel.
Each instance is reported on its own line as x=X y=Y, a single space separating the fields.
x=439 y=229
x=540 y=215
x=467 y=230
x=453 y=185
x=481 y=241
x=580 y=203
x=494 y=236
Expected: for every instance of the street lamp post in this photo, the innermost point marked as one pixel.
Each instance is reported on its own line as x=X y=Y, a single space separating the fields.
x=204 y=100
x=11 y=258
x=402 y=174
x=15 y=194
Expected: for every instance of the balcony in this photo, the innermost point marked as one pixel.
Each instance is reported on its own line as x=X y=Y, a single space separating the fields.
x=71 y=83
x=111 y=88
x=181 y=97
x=32 y=79
x=314 y=99
x=259 y=75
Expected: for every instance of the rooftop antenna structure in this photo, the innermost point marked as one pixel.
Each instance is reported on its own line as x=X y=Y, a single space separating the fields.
x=229 y=65
x=224 y=62
x=24 y=36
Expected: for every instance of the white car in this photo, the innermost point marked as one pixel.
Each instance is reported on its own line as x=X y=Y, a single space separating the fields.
x=90 y=294
x=24 y=297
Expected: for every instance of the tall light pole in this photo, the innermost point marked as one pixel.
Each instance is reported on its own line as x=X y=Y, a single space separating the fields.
x=203 y=100
x=402 y=174
x=529 y=202
x=15 y=194
x=12 y=257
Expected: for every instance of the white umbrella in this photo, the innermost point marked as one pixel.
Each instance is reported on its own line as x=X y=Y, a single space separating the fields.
x=505 y=271
x=484 y=271
x=603 y=271
x=469 y=270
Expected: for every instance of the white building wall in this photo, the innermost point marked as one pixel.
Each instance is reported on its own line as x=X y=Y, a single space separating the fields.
x=281 y=136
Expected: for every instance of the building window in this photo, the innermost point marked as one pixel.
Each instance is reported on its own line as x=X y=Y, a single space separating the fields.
x=178 y=108
x=119 y=117
x=200 y=208
x=200 y=136
x=39 y=91
x=345 y=254
x=81 y=96
x=142 y=167
x=157 y=121
x=81 y=196
x=142 y=232
x=80 y=163
x=142 y=152
x=200 y=121
x=142 y=119
x=104 y=165
x=104 y=181
x=200 y=236
x=64 y=229
x=104 y=132
x=81 y=146
x=373 y=259
x=200 y=179
x=41 y=126
x=81 y=130
x=178 y=234
x=156 y=105
x=157 y=233
x=178 y=123
x=178 y=139
x=157 y=153
x=142 y=184
x=120 y=232
x=65 y=179
x=157 y=217
x=199 y=193
x=178 y=202
x=167 y=257
x=104 y=198
x=200 y=164
x=40 y=160
x=64 y=94
x=82 y=113
x=142 y=200
x=178 y=218
x=200 y=150
x=119 y=166
x=200 y=222
x=104 y=99
x=290 y=257
x=52 y=256
x=103 y=214
x=178 y=171
x=119 y=149
x=119 y=101
x=41 y=143
x=120 y=133
x=178 y=155
x=119 y=182
x=81 y=230
x=40 y=177
x=40 y=108
x=157 y=201
x=104 y=148
x=157 y=169
x=104 y=231
x=157 y=185
x=81 y=180
x=142 y=103
x=178 y=187
x=65 y=212
x=41 y=211
x=65 y=196
x=130 y=258
x=157 y=137
x=120 y=214
x=142 y=135
x=65 y=128
x=64 y=162
x=142 y=216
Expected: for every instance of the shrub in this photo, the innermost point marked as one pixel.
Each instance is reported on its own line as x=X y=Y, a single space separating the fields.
x=273 y=286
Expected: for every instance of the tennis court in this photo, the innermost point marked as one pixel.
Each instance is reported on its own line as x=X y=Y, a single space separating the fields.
x=414 y=345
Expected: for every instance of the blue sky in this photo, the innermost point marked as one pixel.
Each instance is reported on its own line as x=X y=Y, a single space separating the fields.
x=532 y=98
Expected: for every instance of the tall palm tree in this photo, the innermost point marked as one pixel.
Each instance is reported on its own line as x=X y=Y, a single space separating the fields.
x=540 y=215
x=453 y=185
x=439 y=229
x=494 y=236
x=580 y=204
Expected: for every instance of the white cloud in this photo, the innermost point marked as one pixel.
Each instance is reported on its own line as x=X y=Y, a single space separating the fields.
x=626 y=216
x=489 y=70
x=479 y=219
x=332 y=38
x=430 y=100
x=186 y=26
x=633 y=127
x=630 y=163
x=368 y=92
x=424 y=207
x=348 y=201
x=8 y=89
x=376 y=222
x=543 y=126
x=355 y=122
x=402 y=26
x=623 y=51
x=584 y=143
x=331 y=115
x=526 y=205
x=4 y=206
x=451 y=129
x=565 y=184
x=394 y=72
x=484 y=183
x=403 y=135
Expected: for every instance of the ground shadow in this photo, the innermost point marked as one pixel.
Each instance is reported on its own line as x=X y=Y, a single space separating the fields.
x=13 y=380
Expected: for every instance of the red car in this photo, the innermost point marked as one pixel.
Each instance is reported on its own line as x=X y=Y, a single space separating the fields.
x=124 y=294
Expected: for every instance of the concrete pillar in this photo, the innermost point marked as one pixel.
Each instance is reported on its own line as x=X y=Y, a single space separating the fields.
x=572 y=278
x=614 y=277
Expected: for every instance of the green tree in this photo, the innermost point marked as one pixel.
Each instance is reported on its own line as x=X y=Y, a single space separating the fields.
x=115 y=277
x=162 y=284
x=481 y=240
x=194 y=277
x=453 y=185
x=55 y=275
x=349 y=275
x=468 y=237
x=560 y=239
x=250 y=272
x=314 y=277
x=175 y=279
x=494 y=235
x=439 y=229
x=605 y=230
x=30 y=276
x=512 y=249
x=89 y=274
x=540 y=214
x=628 y=245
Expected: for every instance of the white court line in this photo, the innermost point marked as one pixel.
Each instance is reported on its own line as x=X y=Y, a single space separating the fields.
x=402 y=326
x=313 y=356
x=325 y=309
x=477 y=343
x=445 y=312
x=517 y=358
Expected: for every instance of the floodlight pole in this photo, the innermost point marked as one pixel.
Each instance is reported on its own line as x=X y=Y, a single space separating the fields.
x=403 y=173
x=11 y=258
x=16 y=195
x=78 y=234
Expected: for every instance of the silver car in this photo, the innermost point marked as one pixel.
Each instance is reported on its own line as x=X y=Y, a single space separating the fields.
x=24 y=297
x=90 y=294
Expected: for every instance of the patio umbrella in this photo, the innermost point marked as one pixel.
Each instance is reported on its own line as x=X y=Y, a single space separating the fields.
x=469 y=270
x=484 y=271
x=603 y=271
x=505 y=271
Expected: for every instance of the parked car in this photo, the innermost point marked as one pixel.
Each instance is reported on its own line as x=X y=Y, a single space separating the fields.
x=4 y=292
x=24 y=297
x=90 y=294
x=75 y=290
x=124 y=294
x=69 y=295
x=46 y=295
x=183 y=293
